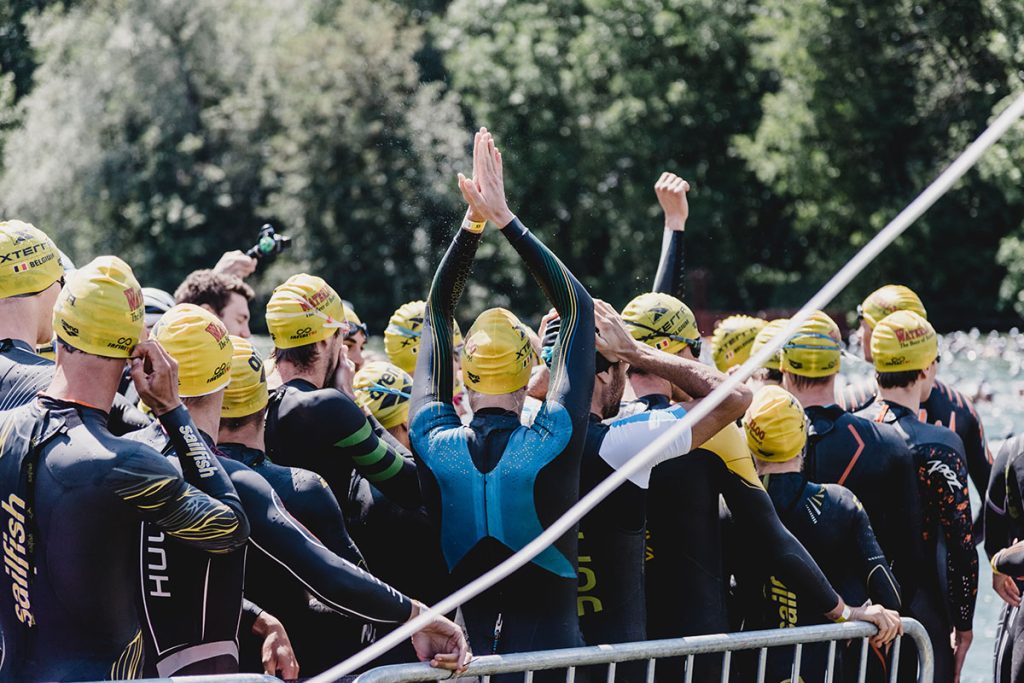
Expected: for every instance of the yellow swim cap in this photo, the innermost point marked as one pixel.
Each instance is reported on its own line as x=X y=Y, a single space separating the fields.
x=733 y=339
x=29 y=261
x=815 y=349
x=304 y=310
x=384 y=389
x=355 y=325
x=904 y=341
x=662 y=321
x=766 y=334
x=247 y=392
x=99 y=310
x=199 y=341
x=402 y=335
x=497 y=357
x=889 y=299
x=776 y=425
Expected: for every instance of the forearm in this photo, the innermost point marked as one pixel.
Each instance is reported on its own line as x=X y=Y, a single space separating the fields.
x=1009 y=561
x=695 y=378
x=434 y=380
x=670 y=278
x=954 y=507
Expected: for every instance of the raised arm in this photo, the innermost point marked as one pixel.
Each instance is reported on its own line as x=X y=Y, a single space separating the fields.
x=671 y=191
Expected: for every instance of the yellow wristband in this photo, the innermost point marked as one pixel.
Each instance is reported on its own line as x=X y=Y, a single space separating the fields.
x=473 y=226
x=992 y=563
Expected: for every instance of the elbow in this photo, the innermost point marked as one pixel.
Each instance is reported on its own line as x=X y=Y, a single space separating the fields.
x=736 y=404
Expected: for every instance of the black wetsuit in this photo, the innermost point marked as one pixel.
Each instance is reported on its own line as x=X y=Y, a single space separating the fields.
x=833 y=526
x=873 y=461
x=946 y=407
x=90 y=491
x=493 y=486
x=941 y=584
x=23 y=374
x=193 y=604
x=309 y=499
x=1004 y=525
x=323 y=430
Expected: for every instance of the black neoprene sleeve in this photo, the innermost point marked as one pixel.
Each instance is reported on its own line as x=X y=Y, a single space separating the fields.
x=671 y=276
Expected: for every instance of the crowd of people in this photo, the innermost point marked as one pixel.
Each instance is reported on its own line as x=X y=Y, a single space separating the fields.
x=173 y=503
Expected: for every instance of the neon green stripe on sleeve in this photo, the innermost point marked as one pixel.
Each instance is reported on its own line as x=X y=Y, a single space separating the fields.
x=361 y=435
x=391 y=471
x=374 y=456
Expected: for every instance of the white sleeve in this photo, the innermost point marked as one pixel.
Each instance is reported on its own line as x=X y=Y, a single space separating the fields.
x=627 y=437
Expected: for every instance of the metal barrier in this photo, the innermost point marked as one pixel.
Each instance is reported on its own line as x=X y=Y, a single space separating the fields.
x=652 y=650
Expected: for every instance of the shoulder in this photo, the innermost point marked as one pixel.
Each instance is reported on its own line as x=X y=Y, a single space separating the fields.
x=938 y=436
x=649 y=418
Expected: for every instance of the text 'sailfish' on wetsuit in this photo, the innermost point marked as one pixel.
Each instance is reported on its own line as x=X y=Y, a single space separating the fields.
x=1004 y=524
x=831 y=523
x=946 y=407
x=494 y=485
x=323 y=430
x=23 y=374
x=611 y=603
x=67 y=608
x=873 y=461
x=943 y=589
x=308 y=498
x=193 y=620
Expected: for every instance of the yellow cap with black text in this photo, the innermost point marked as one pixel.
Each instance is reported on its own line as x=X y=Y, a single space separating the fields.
x=815 y=348
x=100 y=309
x=304 y=310
x=384 y=389
x=246 y=393
x=733 y=339
x=497 y=357
x=402 y=335
x=889 y=299
x=29 y=260
x=200 y=342
x=662 y=321
x=766 y=334
x=776 y=425
x=904 y=341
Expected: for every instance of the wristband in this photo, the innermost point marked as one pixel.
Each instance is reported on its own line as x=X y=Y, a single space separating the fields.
x=473 y=226
x=845 y=616
x=992 y=563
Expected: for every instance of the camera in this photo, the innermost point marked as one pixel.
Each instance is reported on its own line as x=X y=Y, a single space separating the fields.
x=268 y=245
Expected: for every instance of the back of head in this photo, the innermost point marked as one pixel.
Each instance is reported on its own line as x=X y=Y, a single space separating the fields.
x=384 y=389
x=904 y=344
x=199 y=342
x=303 y=311
x=776 y=425
x=814 y=351
x=733 y=339
x=662 y=322
x=402 y=335
x=497 y=357
x=889 y=299
x=246 y=393
x=100 y=309
x=31 y=260
x=213 y=289
x=767 y=334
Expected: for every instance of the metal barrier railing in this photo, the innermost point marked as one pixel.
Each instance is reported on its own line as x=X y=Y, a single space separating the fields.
x=689 y=647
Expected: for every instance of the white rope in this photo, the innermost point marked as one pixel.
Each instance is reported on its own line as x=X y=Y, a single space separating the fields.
x=826 y=294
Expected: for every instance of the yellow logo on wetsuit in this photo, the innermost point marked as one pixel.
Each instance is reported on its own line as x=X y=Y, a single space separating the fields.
x=15 y=562
x=786 y=600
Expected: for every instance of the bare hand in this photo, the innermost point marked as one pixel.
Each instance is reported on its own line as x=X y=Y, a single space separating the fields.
x=1007 y=589
x=886 y=620
x=671 y=191
x=961 y=642
x=277 y=653
x=155 y=375
x=441 y=642
x=344 y=373
x=614 y=341
x=236 y=263
x=486 y=193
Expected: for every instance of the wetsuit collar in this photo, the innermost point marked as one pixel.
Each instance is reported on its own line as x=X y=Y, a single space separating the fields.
x=250 y=457
x=57 y=403
x=898 y=411
x=7 y=345
x=823 y=418
x=655 y=401
x=301 y=384
x=495 y=411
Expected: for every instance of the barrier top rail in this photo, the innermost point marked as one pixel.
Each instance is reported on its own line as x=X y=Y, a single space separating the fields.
x=654 y=649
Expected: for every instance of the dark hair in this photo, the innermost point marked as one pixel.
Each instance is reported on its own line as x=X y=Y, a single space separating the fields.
x=774 y=375
x=233 y=424
x=212 y=289
x=804 y=383
x=303 y=357
x=897 y=380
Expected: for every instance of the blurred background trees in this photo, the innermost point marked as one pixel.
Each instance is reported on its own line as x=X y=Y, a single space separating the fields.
x=167 y=132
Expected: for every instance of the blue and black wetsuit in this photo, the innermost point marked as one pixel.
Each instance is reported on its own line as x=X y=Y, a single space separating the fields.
x=309 y=499
x=73 y=498
x=323 y=430
x=946 y=407
x=875 y=463
x=1004 y=525
x=942 y=582
x=831 y=523
x=193 y=603
x=23 y=374
x=494 y=485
